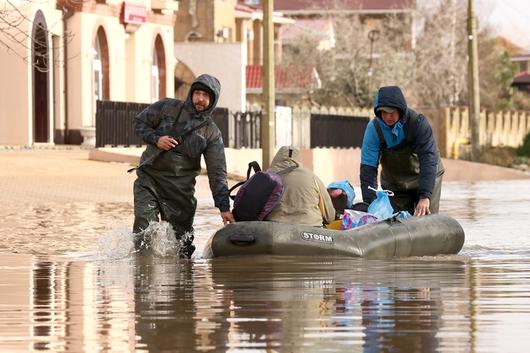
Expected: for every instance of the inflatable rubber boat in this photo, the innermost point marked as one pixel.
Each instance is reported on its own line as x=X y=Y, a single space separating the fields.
x=414 y=236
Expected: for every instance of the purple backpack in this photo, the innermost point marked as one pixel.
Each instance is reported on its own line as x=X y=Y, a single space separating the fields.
x=258 y=195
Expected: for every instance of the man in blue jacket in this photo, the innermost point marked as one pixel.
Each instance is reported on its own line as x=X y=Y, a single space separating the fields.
x=402 y=141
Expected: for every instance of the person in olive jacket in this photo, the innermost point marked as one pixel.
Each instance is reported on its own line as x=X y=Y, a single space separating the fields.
x=402 y=141
x=305 y=199
x=177 y=133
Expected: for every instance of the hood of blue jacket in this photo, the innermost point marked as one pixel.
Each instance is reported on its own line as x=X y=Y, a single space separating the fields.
x=390 y=96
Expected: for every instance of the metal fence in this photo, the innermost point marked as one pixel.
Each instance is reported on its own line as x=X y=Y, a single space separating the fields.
x=247 y=129
x=323 y=127
x=337 y=131
x=222 y=119
x=115 y=123
x=328 y=126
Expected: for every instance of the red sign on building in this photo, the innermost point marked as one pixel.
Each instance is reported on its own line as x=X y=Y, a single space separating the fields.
x=134 y=13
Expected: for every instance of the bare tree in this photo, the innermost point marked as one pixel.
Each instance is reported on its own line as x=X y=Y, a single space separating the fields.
x=342 y=69
x=19 y=41
x=431 y=67
x=345 y=72
x=360 y=62
x=440 y=56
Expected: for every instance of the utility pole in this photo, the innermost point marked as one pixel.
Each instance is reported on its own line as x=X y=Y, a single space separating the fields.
x=267 y=118
x=474 y=92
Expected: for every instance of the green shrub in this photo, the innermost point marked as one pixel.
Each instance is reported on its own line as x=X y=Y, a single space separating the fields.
x=524 y=149
x=501 y=156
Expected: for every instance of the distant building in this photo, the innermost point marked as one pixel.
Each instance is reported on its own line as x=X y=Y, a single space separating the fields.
x=292 y=83
x=313 y=15
x=319 y=28
x=522 y=78
x=223 y=38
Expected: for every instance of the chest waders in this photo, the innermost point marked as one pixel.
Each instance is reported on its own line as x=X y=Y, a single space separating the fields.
x=400 y=173
x=166 y=187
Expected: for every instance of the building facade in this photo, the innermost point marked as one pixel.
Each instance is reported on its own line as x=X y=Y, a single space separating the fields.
x=222 y=37
x=60 y=57
x=522 y=77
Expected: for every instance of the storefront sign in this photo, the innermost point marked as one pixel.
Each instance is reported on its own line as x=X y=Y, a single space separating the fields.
x=134 y=13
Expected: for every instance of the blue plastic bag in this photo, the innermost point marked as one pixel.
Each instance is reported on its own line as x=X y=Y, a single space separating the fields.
x=402 y=215
x=381 y=207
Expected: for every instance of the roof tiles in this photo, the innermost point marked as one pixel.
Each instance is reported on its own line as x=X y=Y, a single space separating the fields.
x=522 y=79
x=286 y=77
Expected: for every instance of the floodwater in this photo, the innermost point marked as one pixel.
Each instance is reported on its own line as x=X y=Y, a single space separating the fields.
x=69 y=282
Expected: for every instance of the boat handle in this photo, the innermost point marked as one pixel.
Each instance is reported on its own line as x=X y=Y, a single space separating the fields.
x=242 y=239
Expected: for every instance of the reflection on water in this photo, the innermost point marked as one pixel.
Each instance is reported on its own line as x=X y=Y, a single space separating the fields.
x=494 y=216
x=447 y=304
x=103 y=297
x=59 y=228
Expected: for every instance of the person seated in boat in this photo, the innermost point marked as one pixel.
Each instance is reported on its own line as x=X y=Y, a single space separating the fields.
x=305 y=199
x=342 y=195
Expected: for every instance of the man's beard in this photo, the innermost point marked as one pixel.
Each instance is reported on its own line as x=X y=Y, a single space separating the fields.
x=200 y=107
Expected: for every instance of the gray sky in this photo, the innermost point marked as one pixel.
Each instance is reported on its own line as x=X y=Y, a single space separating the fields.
x=510 y=18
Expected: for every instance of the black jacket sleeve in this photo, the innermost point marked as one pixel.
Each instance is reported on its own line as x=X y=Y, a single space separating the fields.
x=427 y=151
x=368 y=178
x=215 y=159
x=147 y=121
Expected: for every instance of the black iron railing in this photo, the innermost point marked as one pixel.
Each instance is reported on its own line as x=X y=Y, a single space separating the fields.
x=337 y=131
x=115 y=123
x=247 y=129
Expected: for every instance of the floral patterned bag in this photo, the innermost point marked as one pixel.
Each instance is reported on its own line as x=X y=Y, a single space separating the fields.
x=352 y=219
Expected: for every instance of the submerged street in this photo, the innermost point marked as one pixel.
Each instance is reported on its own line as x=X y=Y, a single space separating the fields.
x=71 y=283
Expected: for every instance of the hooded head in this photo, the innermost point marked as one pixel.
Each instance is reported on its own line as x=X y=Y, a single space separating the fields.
x=344 y=198
x=287 y=156
x=388 y=99
x=208 y=84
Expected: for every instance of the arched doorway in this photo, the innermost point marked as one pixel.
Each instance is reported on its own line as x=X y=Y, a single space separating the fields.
x=100 y=69
x=40 y=62
x=158 y=71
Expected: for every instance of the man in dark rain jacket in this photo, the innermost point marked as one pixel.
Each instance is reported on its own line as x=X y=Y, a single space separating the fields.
x=177 y=133
x=402 y=141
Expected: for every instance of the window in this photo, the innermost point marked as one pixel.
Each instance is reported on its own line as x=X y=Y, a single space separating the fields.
x=97 y=70
x=100 y=71
x=158 y=71
x=155 y=78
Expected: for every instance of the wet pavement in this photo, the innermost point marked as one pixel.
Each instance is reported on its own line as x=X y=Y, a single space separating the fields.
x=66 y=175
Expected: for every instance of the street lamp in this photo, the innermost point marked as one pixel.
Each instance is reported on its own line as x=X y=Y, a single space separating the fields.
x=373 y=36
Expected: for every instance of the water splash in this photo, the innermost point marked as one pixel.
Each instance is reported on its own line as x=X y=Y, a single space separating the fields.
x=115 y=245
x=160 y=239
